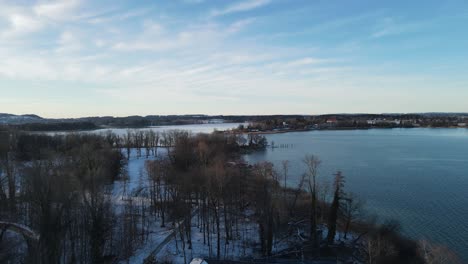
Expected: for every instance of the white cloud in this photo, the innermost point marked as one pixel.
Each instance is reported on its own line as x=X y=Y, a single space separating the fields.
x=120 y=16
x=240 y=7
x=203 y=62
x=100 y=43
x=22 y=24
x=56 y=10
x=153 y=44
x=23 y=20
x=187 y=60
x=68 y=42
x=239 y=25
x=305 y=61
x=155 y=37
x=152 y=28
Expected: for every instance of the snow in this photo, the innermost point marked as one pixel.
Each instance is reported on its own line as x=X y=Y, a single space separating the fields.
x=17 y=119
x=165 y=243
x=242 y=246
x=19 y=228
x=133 y=187
x=157 y=236
x=134 y=179
x=339 y=236
x=198 y=261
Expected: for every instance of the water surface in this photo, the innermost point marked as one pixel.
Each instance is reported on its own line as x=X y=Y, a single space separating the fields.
x=417 y=176
x=194 y=128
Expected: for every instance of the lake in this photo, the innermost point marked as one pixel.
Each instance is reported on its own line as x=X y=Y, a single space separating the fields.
x=418 y=176
x=194 y=128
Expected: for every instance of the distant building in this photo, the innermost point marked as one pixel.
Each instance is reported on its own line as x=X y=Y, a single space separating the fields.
x=462 y=124
x=213 y=121
x=383 y=121
x=332 y=120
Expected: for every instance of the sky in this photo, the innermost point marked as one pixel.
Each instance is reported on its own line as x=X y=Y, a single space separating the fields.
x=75 y=58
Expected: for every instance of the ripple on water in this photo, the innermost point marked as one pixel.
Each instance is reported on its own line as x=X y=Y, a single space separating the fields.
x=417 y=176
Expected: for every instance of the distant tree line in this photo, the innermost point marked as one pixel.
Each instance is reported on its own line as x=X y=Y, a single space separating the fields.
x=351 y=121
x=258 y=122
x=54 y=126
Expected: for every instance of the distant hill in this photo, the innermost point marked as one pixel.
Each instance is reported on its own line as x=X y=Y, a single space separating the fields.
x=34 y=122
x=20 y=119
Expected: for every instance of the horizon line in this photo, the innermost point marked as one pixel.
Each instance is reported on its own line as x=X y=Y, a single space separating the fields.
x=232 y=115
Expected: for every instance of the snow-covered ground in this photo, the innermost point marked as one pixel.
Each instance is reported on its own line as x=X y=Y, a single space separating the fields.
x=133 y=186
x=134 y=178
x=240 y=247
x=157 y=236
x=165 y=243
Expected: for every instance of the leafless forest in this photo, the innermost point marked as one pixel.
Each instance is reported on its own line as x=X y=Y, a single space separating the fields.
x=59 y=204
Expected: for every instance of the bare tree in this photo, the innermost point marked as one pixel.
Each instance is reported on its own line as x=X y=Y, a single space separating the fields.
x=285 y=167
x=351 y=208
x=312 y=162
x=8 y=169
x=128 y=142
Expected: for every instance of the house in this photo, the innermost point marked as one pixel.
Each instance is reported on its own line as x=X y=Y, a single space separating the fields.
x=332 y=121
x=213 y=121
x=461 y=124
x=383 y=121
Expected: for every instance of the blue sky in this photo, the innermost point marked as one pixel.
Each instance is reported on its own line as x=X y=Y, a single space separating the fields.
x=76 y=58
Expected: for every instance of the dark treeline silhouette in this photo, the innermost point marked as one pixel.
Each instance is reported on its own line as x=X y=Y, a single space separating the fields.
x=353 y=121
x=56 y=126
x=56 y=195
x=257 y=122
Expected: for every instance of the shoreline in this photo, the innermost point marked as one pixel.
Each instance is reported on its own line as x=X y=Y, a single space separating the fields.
x=270 y=132
x=235 y=131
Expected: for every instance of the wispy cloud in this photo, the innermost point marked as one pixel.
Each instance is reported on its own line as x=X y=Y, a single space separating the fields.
x=134 y=53
x=240 y=7
x=305 y=61
x=68 y=42
x=156 y=38
x=56 y=10
x=118 y=15
x=23 y=20
x=390 y=26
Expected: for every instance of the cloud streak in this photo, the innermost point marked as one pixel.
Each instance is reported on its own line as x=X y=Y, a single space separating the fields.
x=209 y=57
x=57 y=10
x=240 y=7
x=389 y=27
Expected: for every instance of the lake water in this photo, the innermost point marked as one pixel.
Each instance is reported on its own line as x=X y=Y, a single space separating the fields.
x=194 y=128
x=417 y=176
